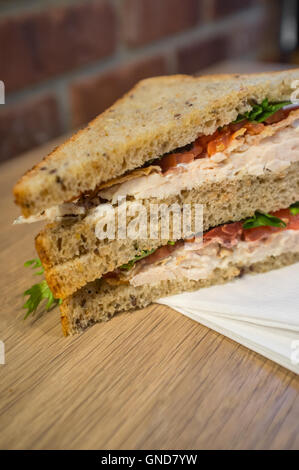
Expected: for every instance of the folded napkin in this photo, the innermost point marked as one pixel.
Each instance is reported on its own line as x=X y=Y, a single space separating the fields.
x=261 y=312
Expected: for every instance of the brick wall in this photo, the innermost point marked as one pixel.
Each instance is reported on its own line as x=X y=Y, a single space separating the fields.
x=65 y=61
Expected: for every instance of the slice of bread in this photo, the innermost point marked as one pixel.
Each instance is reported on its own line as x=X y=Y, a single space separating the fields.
x=156 y=116
x=99 y=301
x=73 y=256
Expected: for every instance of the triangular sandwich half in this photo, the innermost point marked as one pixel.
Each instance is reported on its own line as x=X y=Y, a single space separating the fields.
x=228 y=142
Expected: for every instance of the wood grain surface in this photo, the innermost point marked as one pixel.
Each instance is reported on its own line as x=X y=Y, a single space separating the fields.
x=153 y=379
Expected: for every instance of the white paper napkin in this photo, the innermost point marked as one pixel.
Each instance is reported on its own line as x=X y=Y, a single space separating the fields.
x=261 y=312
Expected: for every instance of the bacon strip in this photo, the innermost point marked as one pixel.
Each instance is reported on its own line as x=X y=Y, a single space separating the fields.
x=161 y=253
x=280 y=115
x=230 y=234
x=259 y=233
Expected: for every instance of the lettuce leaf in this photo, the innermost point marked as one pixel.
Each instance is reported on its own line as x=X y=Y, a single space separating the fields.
x=260 y=112
x=262 y=220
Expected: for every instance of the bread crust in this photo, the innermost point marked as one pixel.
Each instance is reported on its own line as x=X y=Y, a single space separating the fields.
x=158 y=115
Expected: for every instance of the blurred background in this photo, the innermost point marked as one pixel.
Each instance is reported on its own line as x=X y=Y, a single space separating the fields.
x=65 y=61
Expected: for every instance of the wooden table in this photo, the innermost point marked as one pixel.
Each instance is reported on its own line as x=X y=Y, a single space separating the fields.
x=149 y=380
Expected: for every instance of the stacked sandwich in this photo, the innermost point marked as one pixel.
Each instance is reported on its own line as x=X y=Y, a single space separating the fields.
x=229 y=143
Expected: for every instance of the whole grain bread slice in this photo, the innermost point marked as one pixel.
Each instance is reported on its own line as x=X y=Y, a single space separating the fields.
x=155 y=117
x=99 y=301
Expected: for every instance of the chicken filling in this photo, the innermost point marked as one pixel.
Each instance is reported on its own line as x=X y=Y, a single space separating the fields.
x=244 y=147
x=224 y=245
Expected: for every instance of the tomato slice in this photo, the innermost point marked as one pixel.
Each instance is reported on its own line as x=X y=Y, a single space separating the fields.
x=254 y=128
x=219 y=141
x=187 y=157
x=219 y=144
x=168 y=161
x=197 y=149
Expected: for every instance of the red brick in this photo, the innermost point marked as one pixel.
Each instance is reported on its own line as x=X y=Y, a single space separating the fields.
x=38 y=45
x=147 y=20
x=228 y=7
x=249 y=36
x=201 y=54
x=93 y=95
x=27 y=125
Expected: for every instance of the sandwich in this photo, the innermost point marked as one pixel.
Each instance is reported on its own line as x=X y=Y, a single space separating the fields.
x=228 y=143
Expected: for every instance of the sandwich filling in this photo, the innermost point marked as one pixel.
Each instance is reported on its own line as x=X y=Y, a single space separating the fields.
x=245 y=147
x=253 y=149
x=224 y=245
